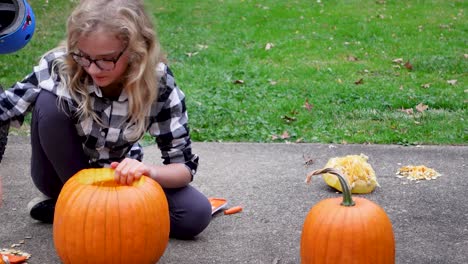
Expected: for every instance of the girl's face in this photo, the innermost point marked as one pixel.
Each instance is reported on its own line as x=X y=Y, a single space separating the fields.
x=101 y=45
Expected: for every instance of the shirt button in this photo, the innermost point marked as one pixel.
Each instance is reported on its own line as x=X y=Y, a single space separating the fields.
x=103 y=133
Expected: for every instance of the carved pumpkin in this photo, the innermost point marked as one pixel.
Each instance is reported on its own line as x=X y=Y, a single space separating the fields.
x=346 y=230
x=100 y=221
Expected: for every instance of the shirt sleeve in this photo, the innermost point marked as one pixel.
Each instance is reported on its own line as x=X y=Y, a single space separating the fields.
x=170 y=126
x=18 y=100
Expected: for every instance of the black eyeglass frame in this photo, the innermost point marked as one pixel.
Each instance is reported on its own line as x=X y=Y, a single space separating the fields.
x=78 y=58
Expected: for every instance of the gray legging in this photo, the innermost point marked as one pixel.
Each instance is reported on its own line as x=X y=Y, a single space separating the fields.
x=57 y=154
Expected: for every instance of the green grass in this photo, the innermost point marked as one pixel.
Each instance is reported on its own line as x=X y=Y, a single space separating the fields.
x=211 y=44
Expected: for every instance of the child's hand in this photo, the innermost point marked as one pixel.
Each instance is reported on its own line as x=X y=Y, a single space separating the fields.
x=129 y=170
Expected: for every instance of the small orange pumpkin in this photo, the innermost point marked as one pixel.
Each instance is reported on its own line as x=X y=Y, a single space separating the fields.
x=98 y=220
x=346 y=230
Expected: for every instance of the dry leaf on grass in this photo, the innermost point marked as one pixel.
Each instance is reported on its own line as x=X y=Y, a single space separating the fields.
x=421 y=107
x=269 y=46
x=452 y=82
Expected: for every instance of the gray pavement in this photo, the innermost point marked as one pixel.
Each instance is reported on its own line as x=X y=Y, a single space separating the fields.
x=430 y=218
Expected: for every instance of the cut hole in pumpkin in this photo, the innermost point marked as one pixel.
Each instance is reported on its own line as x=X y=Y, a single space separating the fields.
x=103 y=178
x=106 y=183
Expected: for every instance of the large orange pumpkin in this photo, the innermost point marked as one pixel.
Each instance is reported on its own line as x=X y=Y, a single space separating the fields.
x=100 y=221
x=346 y=230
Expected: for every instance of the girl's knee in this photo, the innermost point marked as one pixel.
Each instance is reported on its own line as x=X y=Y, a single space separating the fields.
x=47 y=109
x=188 y=223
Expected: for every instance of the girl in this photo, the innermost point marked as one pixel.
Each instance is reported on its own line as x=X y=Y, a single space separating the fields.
x=94 y=97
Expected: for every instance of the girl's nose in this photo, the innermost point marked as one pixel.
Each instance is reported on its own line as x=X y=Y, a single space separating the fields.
x=93 y=68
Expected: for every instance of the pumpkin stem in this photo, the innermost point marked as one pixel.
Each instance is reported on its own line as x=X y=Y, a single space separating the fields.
x=347 y=199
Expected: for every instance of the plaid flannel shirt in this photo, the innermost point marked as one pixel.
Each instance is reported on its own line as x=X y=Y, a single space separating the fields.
x=167 y=120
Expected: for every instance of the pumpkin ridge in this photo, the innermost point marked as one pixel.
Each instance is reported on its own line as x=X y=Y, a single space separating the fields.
x=328 y=224
x=106 y=220
x=362 y=226
x=100 y=216
x=157 y=203
x=73 y=243
x=357 y=238
x=144 y=215
x=311 y=225
x=152 y=205
x=89 y=243
x=117 y=199
x=140 y=216
x=118 y=224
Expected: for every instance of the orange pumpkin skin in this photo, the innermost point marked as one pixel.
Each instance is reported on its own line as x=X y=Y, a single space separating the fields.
x=346 y=230
x=359 y=234
x=100 y=221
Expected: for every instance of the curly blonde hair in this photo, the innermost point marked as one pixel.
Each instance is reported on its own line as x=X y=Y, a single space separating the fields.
x=132 y=25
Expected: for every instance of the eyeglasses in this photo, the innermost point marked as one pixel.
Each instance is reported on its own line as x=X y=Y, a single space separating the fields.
x=103 y=64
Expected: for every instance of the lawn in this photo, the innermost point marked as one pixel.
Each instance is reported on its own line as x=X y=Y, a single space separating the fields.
x=370 y=71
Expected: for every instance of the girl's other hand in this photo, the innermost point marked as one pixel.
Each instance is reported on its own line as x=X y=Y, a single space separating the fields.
x=129 y=170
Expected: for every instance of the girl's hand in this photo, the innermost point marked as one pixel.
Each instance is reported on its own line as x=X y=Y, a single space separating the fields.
x=129 y=170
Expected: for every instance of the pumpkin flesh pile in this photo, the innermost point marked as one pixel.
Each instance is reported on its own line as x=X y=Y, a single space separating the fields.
x=100 y=221
x=359 y=173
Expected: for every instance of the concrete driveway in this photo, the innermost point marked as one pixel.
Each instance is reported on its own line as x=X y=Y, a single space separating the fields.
x=430 y=218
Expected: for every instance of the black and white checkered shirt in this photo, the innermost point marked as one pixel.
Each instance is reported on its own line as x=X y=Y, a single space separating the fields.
x=103 y=145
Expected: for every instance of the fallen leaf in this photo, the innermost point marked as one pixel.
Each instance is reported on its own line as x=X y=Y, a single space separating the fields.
x=408 y=111
x=465 y=56
x=288 y=119
x=426 y=85
x=191 y=54
x=238 y=82
x=352 y=58
x=360 y=81
x=307 y=160
x=308 y=105
x=285 y=135
x=273 y=82
x=408 y=66
x=269 y=46
x=202 y=46
x=421 y=107
x=452 y=82
x=398 y=61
